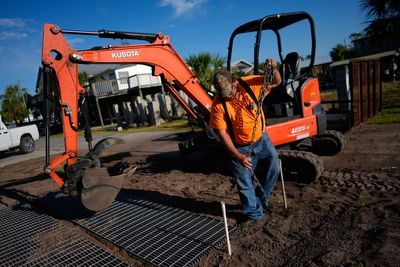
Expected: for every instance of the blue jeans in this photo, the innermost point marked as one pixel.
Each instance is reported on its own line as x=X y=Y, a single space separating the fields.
x=263 y=153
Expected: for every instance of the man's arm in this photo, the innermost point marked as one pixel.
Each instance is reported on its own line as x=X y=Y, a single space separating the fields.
x=228 y=144
x=277 y=79
x=277 y=76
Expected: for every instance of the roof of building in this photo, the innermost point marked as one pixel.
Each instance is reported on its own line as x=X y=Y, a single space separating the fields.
x=242 y=64
x=318 y=61
x=372 y=56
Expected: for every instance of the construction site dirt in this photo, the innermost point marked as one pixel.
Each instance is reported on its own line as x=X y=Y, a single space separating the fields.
x=348 y=216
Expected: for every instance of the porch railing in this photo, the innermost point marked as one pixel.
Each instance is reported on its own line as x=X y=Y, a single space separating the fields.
x=120 y=86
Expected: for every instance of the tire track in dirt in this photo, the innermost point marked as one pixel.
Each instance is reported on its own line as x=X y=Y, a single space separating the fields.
x=365 y=181
x=353 y=211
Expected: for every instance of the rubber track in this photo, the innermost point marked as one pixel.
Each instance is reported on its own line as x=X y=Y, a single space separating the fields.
x=332 y=136
x=310 y=158
x=337 y=135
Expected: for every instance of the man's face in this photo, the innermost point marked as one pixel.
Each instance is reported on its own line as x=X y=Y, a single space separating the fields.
x=226 y=89
x=232 y=91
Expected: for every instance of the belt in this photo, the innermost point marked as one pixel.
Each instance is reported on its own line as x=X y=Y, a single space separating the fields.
x=259 y=139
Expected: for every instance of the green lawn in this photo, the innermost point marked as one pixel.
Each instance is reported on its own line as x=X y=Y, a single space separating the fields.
x=175 y=125
x=329 y=95
x=390 y=104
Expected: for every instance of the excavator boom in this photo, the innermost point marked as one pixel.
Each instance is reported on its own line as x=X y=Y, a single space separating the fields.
x=60 y=59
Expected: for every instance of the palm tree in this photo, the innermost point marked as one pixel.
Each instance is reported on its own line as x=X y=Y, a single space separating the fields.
x=204 y=65
x=218 y=62
x=380 y=9
x=384 y=19
x=13 y=108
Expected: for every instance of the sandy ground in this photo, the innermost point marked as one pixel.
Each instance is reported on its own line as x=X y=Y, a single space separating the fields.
x=349 y=216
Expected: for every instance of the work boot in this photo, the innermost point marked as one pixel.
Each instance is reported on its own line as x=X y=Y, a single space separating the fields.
x=267 y=207
x=247 y=221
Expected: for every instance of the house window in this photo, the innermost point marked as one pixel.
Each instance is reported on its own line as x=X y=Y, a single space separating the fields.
x=123 y=77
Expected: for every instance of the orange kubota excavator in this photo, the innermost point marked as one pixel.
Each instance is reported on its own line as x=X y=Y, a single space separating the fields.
x=97 y=186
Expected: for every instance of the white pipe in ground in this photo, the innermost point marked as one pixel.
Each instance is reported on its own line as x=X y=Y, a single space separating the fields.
x=228 y=243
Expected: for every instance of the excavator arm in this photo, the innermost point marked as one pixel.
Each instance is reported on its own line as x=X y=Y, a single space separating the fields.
x=62 y=60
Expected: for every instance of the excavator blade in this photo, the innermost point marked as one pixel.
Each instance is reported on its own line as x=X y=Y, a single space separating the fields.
x=99 y=189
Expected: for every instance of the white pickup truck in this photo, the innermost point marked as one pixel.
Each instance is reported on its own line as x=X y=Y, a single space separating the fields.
x=19 y=137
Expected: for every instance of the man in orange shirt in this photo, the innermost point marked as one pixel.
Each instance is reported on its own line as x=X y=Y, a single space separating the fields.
x=233 y=116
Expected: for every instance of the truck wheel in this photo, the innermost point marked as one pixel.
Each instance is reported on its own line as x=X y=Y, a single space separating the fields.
x=27 y=144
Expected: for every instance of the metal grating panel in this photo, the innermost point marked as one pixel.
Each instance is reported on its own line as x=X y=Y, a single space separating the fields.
x=30 y=238
x=161 y=235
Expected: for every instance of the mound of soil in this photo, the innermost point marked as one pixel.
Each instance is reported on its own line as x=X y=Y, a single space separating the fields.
x=348 y=216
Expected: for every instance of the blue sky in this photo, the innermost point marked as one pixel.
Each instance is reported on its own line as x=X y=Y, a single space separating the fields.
x=193 y=25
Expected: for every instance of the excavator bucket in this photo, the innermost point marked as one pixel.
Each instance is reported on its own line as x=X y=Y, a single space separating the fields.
x=100 y=185
x=99 y=189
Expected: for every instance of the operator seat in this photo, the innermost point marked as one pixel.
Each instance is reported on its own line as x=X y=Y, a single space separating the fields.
x=291 y=72
x=282 y=101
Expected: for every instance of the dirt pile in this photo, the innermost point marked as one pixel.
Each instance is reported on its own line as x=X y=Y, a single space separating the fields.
x=349 y=216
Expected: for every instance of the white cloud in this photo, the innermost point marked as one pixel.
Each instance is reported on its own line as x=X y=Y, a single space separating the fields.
x=13 y=23
x=74 y=41
x=15 y=28
x=12 y=35
x=182 y=7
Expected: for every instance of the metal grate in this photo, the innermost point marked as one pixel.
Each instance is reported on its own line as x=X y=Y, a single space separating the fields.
x=161 y=235
x=30 y=238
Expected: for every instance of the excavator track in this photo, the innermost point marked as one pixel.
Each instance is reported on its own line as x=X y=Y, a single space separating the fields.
x=300 y=166
x=329 y=143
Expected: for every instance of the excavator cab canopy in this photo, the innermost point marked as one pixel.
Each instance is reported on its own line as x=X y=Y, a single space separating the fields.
x=274 y=23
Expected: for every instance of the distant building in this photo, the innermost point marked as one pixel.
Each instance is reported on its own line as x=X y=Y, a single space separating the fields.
x=128 y=95
x=242 y=65
x=119 y=79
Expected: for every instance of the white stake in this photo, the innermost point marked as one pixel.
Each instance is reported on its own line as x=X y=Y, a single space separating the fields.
x=228 y=243
x=283 y=185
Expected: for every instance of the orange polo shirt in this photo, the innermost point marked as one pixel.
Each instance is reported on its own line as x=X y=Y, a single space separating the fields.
x=241 y=116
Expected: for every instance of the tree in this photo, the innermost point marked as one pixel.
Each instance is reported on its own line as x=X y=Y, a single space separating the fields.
x=204 y=65
x=339 y=52
x=13 y=108
x=218 y=62
x=83 y=77
x=354 y=37
x=384 y=19
x=308 y=57
x=380 y=9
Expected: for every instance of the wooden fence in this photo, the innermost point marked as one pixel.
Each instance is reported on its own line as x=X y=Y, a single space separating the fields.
x=366 y=90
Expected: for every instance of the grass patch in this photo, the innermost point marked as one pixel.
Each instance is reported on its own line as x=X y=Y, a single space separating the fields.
x=329 y=95
x=175 y=125
x=387 y=116
x=390 y=113
x=391 y=95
